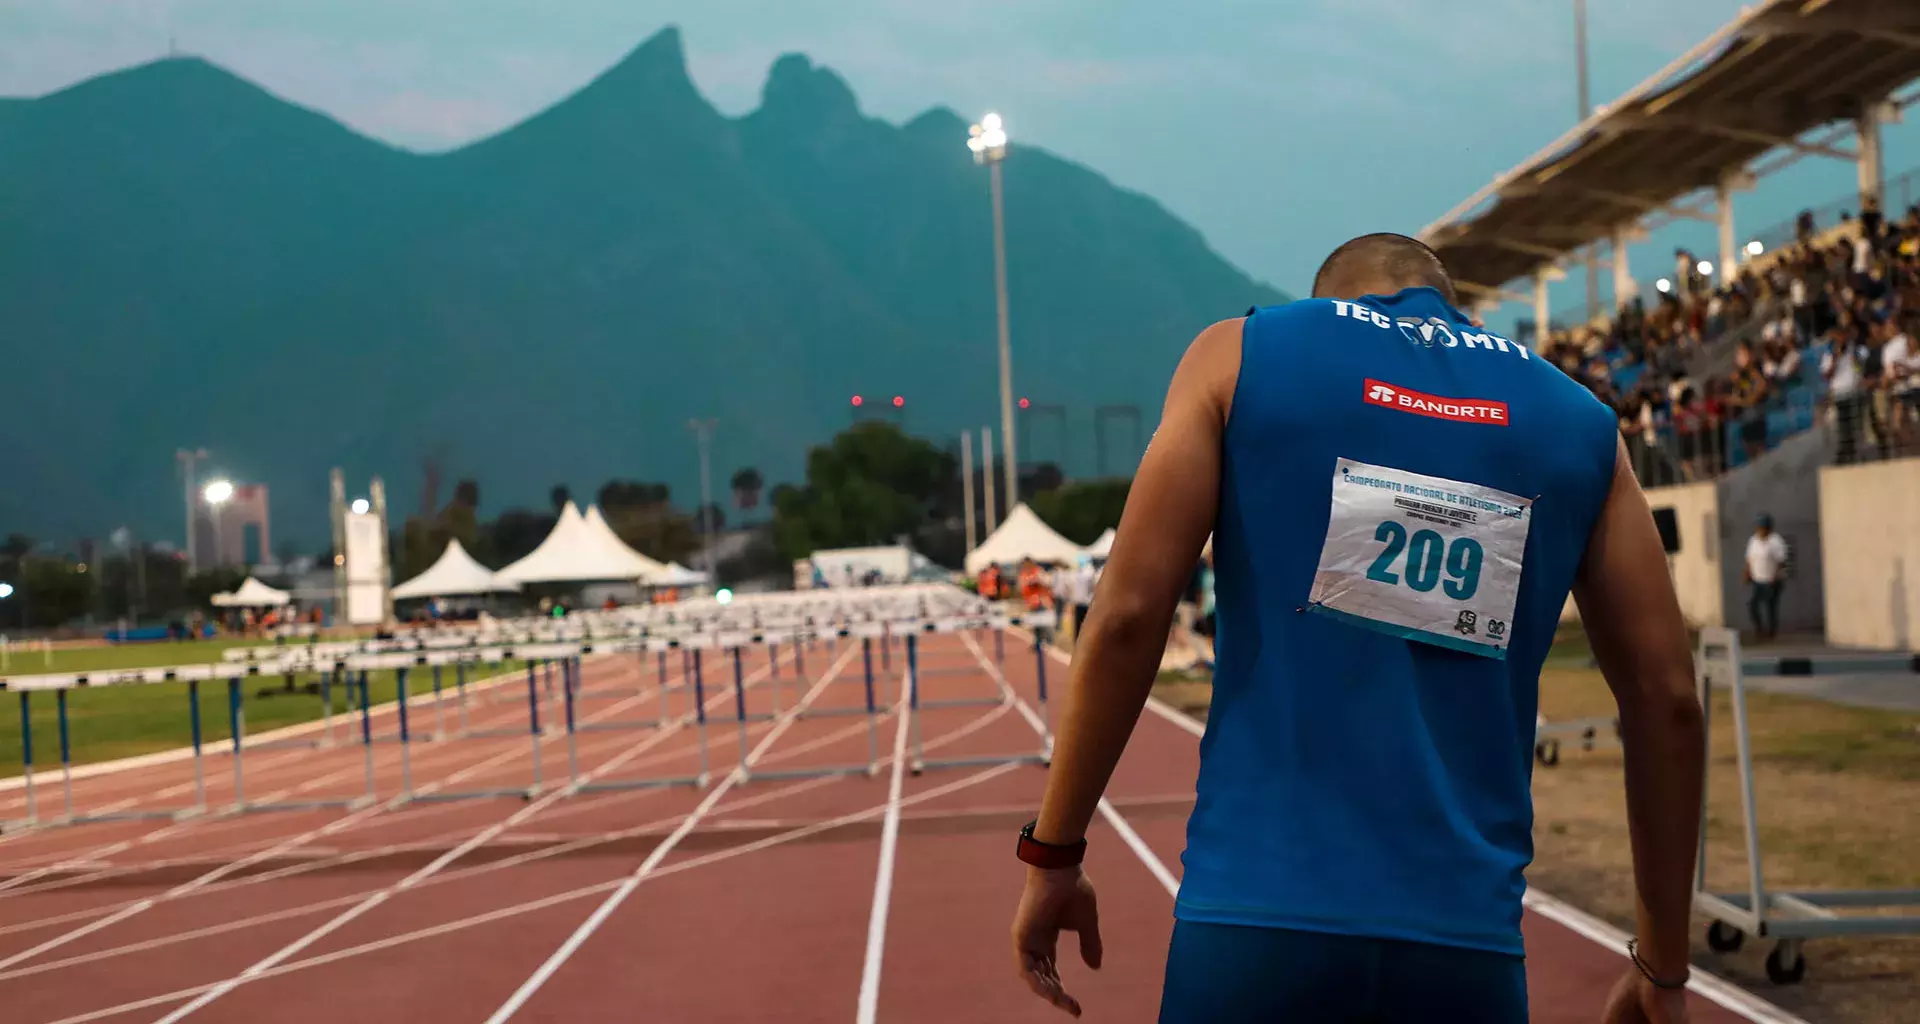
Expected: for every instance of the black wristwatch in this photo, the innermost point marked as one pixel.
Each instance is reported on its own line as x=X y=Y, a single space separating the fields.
x=1051 y=856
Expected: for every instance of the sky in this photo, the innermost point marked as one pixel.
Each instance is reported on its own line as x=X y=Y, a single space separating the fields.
x=1279 y=128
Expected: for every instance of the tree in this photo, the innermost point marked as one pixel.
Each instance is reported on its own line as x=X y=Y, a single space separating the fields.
x=746 y=488
x=633 y=494
x=717 y=514
x=1082 y=511
x=558 y=498
x=513 y=536
x=467 y=493
x=870 y=485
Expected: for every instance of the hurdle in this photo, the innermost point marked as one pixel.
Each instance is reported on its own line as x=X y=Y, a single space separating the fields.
x=872 y=765
x=1590 y=732
x=1795 y=916
x=237 y=725
x=532 y=731
x=581 y=694
x=969 y=624
x=920 y=762
x=699 y=779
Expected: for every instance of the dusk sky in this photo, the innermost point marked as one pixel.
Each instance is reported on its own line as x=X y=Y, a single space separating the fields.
x=1277 y=128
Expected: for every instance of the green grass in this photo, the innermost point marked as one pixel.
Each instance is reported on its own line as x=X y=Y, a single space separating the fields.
x=124 y=721
x=113 y=656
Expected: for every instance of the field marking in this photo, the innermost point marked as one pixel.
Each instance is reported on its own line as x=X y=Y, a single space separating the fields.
x=869 y=1003
x=619 y=896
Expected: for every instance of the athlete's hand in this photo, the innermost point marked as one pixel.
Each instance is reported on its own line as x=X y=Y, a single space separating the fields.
x=1054 y=901
x=1636 y=1001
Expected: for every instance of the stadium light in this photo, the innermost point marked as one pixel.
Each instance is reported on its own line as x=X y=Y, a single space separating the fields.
x=360 y=506
x=217 y=492
x=1705 y=267
x=723 y=596
x=988 y=141
x=1663 y=286
x=1755 y=248
x=6 y=591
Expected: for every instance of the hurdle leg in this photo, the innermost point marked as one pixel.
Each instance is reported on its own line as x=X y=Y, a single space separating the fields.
x=236 y=721
x=460 y=688
x=913 y=700
x=1046 y=708
x=533 y=721
x=567 y=676
x=66 y=751
x=700 y=716
x=660 y=679
x=26 y=754
x=740 y=710
x=199 y=768
x=326 y=702
x=406 y=737
x=439 y=711
x=886 y=647
x=773 y=672
x=366 y=732
x=873 y=732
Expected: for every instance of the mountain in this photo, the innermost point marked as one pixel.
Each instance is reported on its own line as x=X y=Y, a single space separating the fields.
x=188 y=260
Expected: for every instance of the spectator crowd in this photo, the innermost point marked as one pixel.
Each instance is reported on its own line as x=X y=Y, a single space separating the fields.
x=1709 y=377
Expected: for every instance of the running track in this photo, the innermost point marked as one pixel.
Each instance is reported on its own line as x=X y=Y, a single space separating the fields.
x=848 y=898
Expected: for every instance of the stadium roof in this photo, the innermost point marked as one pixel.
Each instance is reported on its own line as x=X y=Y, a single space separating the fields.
x=1779 y=71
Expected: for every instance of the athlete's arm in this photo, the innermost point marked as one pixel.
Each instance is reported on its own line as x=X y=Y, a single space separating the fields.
x=1632 y=618
x=1170 y=511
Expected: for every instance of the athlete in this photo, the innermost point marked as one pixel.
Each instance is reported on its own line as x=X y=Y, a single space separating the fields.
x=1400 y=502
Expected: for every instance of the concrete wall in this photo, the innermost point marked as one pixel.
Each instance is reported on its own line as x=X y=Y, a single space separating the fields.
x=1870 y=532
x=1697 y=565
x=1781 y=484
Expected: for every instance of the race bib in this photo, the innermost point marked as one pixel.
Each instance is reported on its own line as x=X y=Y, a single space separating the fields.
x=1422 y=557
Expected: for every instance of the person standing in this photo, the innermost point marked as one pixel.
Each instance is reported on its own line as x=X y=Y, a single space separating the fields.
x=1766 y=570
x=1400 y=503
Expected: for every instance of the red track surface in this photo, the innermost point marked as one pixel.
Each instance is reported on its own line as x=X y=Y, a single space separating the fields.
x=752 y=899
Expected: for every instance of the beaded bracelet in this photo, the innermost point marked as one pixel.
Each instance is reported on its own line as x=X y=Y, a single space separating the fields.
x=1633 y=953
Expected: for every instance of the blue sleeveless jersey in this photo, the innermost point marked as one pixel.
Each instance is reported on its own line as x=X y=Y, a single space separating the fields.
x=1368 y=754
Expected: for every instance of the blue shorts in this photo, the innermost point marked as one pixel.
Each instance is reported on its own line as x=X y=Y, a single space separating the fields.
x=1228 y=974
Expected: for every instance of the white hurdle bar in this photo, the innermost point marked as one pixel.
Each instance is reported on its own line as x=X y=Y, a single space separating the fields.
x=869 y=769
x=699 y=779
x=920 y=762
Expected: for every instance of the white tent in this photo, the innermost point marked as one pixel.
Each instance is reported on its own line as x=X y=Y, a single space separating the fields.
x=677 y=575
x=1102 y=545
x=1023 y=535
x=252 y=594
x=580 y=550
x=597 y=525
x=456 y=573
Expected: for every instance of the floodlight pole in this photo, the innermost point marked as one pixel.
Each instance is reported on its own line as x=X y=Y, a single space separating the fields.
x=188 y=459
x=703 y=435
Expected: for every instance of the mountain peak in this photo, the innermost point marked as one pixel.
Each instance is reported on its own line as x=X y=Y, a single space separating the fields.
x=655 y=68
x=799 y=90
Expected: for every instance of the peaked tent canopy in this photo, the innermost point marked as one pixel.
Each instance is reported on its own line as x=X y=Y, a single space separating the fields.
x=603 y=533
x=677 y=575
x=454 y=574
x=252 y=594
x=1102 y=545
x=578 y=552
x=1023 y=535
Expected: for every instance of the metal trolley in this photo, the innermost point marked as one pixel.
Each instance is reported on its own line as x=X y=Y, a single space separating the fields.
x=1795 y=916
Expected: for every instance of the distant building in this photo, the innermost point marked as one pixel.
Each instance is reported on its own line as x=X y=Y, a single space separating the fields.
x=235 y=532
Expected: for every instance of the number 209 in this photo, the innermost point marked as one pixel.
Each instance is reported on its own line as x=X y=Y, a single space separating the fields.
x=1427 y=554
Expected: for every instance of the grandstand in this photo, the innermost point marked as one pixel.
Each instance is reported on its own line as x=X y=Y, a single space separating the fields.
x=1737 y=352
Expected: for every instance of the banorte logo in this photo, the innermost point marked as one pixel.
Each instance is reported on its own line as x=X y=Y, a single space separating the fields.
x=1460 y=410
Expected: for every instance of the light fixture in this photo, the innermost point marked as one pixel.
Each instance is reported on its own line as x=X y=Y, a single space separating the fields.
x=1755 y=248
x=6 y=591
x=1663 y=286
x=217 y=492
x=1705 y=267
x=723 y=596
x=988 y=139
x=360 y=506
x=899 y=401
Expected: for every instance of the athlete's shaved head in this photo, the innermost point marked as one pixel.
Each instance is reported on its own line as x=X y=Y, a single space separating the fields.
x=1381 y=264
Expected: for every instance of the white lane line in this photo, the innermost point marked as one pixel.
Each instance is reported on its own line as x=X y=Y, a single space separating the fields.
x=869 y=1005
x=473 y=842
x=1112 y=816
x=660 y=851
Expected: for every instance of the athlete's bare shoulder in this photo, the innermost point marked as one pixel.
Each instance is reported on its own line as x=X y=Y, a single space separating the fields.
x=1210 y=369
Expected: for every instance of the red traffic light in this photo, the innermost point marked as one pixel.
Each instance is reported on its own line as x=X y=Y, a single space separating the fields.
x=858 y=401
x=1024 y=403
x=898 y=401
